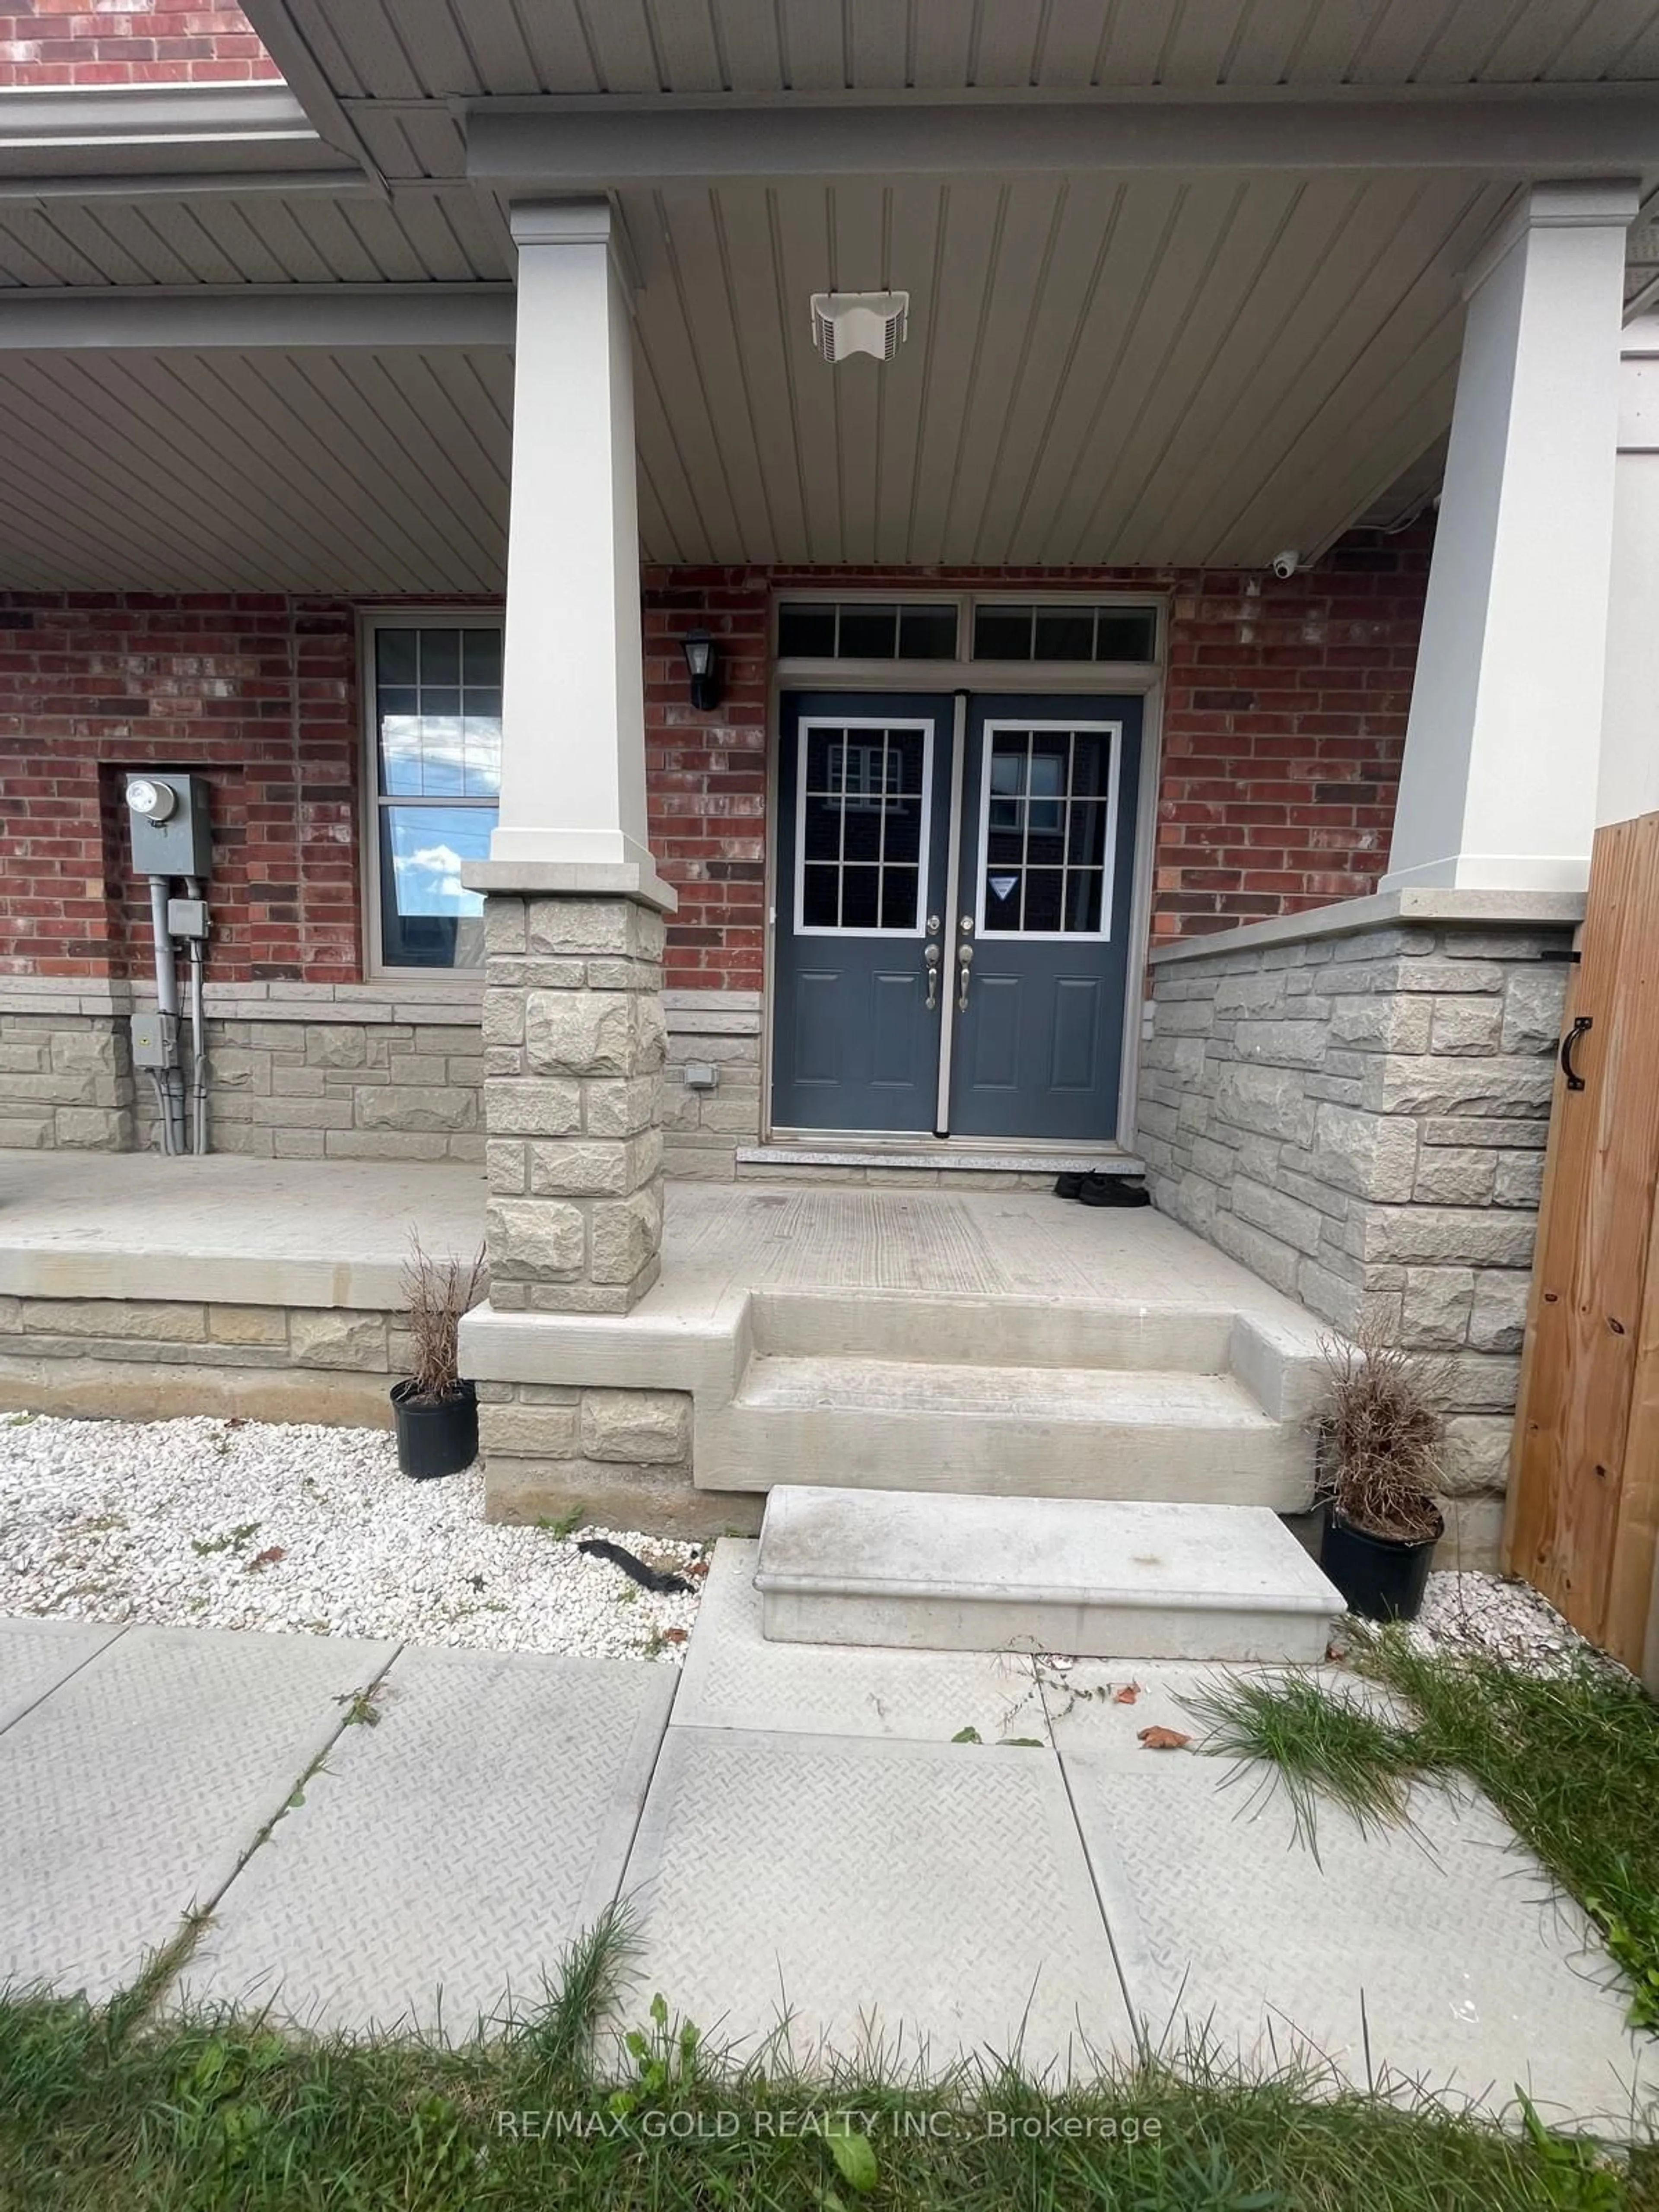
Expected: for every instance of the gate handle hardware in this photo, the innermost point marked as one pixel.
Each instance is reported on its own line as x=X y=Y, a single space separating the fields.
x=930 y=954
x=1582 y=1024
x=964 y=963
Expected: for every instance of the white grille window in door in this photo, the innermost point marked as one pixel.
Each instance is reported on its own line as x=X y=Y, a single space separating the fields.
x=1046 y=834
x=862 y=827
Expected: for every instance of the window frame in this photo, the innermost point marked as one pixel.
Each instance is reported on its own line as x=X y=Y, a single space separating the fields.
x=370 y=623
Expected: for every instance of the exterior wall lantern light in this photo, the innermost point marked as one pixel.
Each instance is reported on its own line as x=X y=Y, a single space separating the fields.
x=703 y=662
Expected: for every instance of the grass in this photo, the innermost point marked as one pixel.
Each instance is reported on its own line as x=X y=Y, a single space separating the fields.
x=1571 y=1759
x=112 y=2111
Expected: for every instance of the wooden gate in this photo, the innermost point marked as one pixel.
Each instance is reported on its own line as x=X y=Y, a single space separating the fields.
x=1584 y=1508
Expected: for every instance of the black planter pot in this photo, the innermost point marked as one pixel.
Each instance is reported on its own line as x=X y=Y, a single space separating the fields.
x=435 y=1436
x=1379 y=1577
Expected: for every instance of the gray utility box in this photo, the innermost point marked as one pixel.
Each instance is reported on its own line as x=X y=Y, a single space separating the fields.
x=181 y=843
x=154 y=1039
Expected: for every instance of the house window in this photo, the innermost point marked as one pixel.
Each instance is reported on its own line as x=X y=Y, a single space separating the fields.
x=1074 y=632
x=435 y=728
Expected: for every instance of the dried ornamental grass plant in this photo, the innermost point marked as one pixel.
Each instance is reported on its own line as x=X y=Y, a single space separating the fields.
x=437 y=1293
x=1384 y=1439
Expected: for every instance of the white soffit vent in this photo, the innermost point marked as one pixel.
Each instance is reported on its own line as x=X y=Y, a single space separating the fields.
x=860 y=322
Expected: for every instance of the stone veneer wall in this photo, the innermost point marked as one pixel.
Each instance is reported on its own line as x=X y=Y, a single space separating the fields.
x=624 y=1456
x=145 y=1359
x=1361 y=1120
x=387 y=1072
x=65 y=1081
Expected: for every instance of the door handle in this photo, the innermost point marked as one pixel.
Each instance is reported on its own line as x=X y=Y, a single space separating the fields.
x=930 y=954
x=964 y=964
x=1575 y=1081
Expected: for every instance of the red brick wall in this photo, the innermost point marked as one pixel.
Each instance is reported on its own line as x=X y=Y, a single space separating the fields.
x=91 y=42
x=1284 y=714
x=255 y=693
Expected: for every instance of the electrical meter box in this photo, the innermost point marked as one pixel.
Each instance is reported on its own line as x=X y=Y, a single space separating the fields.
x=169 y=812
x=154 y=1039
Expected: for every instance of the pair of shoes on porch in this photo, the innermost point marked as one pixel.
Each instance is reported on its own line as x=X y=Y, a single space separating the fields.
x=1102 y=1190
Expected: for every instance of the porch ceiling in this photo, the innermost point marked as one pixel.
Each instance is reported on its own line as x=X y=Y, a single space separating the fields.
x=355 y=471
x=1141 y=370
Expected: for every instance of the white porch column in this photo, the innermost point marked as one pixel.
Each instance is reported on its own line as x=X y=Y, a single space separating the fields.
x=573 y=756
x=573 y=1014
x=1497 y=791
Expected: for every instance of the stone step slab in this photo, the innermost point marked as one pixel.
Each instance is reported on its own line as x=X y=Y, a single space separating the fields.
x=1103 y=1578
x=1066 y=1432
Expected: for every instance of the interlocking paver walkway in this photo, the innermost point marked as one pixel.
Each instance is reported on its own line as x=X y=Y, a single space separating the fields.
x=797 y=1835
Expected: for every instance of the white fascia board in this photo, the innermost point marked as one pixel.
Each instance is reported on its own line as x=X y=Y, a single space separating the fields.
x=1523 y=132
x=329 y=317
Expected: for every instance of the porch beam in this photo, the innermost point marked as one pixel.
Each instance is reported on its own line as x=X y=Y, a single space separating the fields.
x=326 y=317
x=1498 y=788
x=1523 y=131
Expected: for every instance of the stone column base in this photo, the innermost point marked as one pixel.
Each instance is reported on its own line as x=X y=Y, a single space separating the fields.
x=574 y=1039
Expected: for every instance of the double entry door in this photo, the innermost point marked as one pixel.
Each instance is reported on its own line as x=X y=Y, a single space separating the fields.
x=954 y=893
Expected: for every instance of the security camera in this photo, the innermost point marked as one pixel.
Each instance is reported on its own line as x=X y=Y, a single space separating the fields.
x=1286 y=564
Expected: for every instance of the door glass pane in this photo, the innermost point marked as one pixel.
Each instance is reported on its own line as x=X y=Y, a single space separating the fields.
x=861 y=894
x=899 y=887
x=820 y=893
x=861 y=827
x=1045 y=831
x=1043 y=893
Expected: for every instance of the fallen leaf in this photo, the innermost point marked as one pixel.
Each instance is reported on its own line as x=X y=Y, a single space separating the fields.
x=673 y=1635
x=268 y=1557
x=1127 y=1695
x=1164 y=1739
x=967 y=1735
x=1336 y=1650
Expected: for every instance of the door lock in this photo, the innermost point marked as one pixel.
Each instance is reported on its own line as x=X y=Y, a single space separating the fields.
x=966 y=925
x=930 y=954
x=964 y=963
x=932 y=925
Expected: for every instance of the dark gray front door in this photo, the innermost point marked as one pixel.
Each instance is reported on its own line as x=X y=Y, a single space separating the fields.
x=864 y=809
x=1018 y=981
x=1039 y=934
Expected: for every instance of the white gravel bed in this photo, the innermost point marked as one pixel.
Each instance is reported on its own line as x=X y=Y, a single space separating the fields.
x=1507 y=1621
x=232 y=1524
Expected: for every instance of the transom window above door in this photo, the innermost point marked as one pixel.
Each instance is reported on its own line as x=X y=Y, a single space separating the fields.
x=968 y=628
x=434 y=696
x=860 y=630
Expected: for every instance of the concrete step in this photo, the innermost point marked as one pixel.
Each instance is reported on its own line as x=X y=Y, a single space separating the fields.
x=962 y=1332
x=1129 y=1579
x=1042 y=1431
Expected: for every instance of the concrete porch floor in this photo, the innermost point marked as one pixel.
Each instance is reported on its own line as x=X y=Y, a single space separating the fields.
x=785 y=1822
x=335 y=1232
